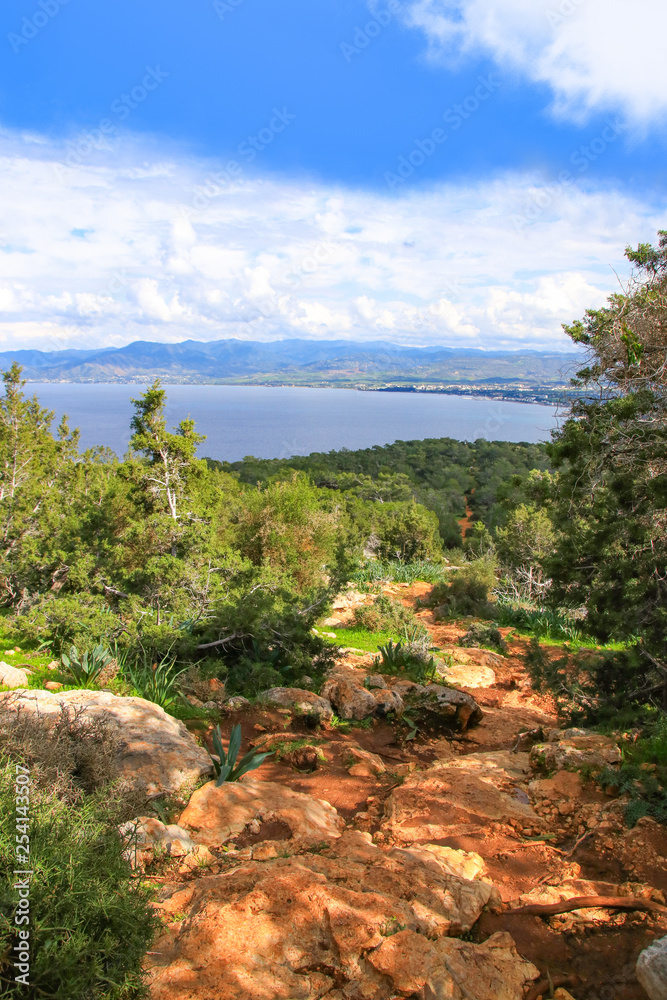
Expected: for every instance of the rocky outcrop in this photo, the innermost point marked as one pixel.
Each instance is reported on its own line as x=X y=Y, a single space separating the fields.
x=217 y=815
x=348 y=695
x=652 y=970
x=157 y=754
x=365 y=764
x=347 y=922
x=463 y=795
x=572 y=749
x=299 y=701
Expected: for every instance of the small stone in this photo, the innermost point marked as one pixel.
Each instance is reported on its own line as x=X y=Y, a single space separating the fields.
x=53 y=685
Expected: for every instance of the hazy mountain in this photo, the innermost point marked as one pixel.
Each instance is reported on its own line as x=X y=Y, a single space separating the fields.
x=231 y=360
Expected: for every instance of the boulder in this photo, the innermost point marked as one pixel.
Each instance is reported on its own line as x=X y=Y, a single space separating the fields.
x=348 y=696
x=463 y=864
x=306 y=926
x=387 y=701
x=13 y=677
x=652 y=969
x=376 y=681
x=568 y=752
x=146 y=836
x=445 y=704
x=460 y=796
x=157 y=754
x=298 y=700
x=216 y=815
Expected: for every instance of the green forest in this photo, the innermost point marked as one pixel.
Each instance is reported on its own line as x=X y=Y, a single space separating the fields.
x=183 y=570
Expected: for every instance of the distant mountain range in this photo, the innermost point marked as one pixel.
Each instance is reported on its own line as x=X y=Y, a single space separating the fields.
x=374 y=364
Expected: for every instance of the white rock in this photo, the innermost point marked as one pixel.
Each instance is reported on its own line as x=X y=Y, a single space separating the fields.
x=13 y=677
x=652 y=969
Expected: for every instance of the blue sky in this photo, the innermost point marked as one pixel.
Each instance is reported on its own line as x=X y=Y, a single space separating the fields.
x=388 y=170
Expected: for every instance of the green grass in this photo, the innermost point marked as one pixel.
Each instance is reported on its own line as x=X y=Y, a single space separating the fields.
x=396 y=572
x=360 y=638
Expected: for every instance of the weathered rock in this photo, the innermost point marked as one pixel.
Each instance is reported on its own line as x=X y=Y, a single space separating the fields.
x=449 y=969
x=376 y=681
x=298 y=927
x=157 y=753
x=299 y=700
x=652 y=969
x=459 y=796
x=572 y=752
x=366 y=764
x=446 y=704
x=463 y=864
x=53 y=686
x=473 y=656
x=467 y=675
x=236 y=703
x=348 y=696
x=146 y=836
x=387 y=701
x=13 y=677
x=302 y=758
x=216 y=815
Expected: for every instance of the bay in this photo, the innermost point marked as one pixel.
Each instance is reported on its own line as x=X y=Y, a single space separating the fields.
x=280 y=422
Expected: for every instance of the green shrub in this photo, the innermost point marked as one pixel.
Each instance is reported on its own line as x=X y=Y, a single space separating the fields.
x=91 y=919
x=409 y=659
x=387 y=615
x=61 y=622
x=484 y=635
x=155 y=681
x=468 y=593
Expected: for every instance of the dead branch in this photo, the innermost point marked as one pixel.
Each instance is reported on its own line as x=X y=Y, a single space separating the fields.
x=585 y=902
x=221 y=642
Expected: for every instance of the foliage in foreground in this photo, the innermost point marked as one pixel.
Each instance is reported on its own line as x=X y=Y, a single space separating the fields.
x=91 y=920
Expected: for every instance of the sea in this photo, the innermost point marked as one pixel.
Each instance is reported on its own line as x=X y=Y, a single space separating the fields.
x=279 y=422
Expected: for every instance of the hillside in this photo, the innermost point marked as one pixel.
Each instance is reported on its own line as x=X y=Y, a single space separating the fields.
x=373 y=365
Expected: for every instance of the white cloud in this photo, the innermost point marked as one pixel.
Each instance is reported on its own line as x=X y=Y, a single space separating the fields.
x=267 y=258
x=593 y=54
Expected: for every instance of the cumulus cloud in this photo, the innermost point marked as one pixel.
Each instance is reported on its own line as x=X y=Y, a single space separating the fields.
x=109 y=252
x=593 y=54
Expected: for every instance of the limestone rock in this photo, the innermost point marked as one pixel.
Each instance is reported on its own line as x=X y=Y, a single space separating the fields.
x=302 y=758
x=376 y=681
x=236 y=703
x=652 y=969
x=473 y=656
x=157 y=753
x=216 y=815
x=348 y=696
x=13 y=677
x=146 y=836
x=572 y=752
x=301 y=926
x=454 y=796
x=463 y=864
x=467 y=675
x=446 y=704
x=388 y=701
x=448 y=969
x=299 y=700
x=366 y=764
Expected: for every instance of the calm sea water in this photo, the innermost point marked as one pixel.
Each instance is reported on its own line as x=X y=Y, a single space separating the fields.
x=280 y=422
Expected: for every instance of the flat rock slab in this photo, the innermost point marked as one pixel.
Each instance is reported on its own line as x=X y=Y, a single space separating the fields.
x=468 y=675
x=305 y=927
x=572 y=752
x=470 y=792
x=217 y=815
x=157 y=753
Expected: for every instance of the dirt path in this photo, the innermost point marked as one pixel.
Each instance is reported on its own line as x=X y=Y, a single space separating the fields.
x=595 y=951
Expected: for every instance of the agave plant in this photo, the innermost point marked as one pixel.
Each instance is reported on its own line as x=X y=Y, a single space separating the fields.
x=155 y=680
x=226 y=768
x=86 y=669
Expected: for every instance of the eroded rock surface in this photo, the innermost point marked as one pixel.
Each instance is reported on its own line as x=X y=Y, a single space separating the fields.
x=573 y=749
x=325 y=923
x=465 y=794
x=217 y=815
x=652 y=970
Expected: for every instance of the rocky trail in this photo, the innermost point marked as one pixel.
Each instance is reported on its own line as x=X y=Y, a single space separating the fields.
x=374 y=858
